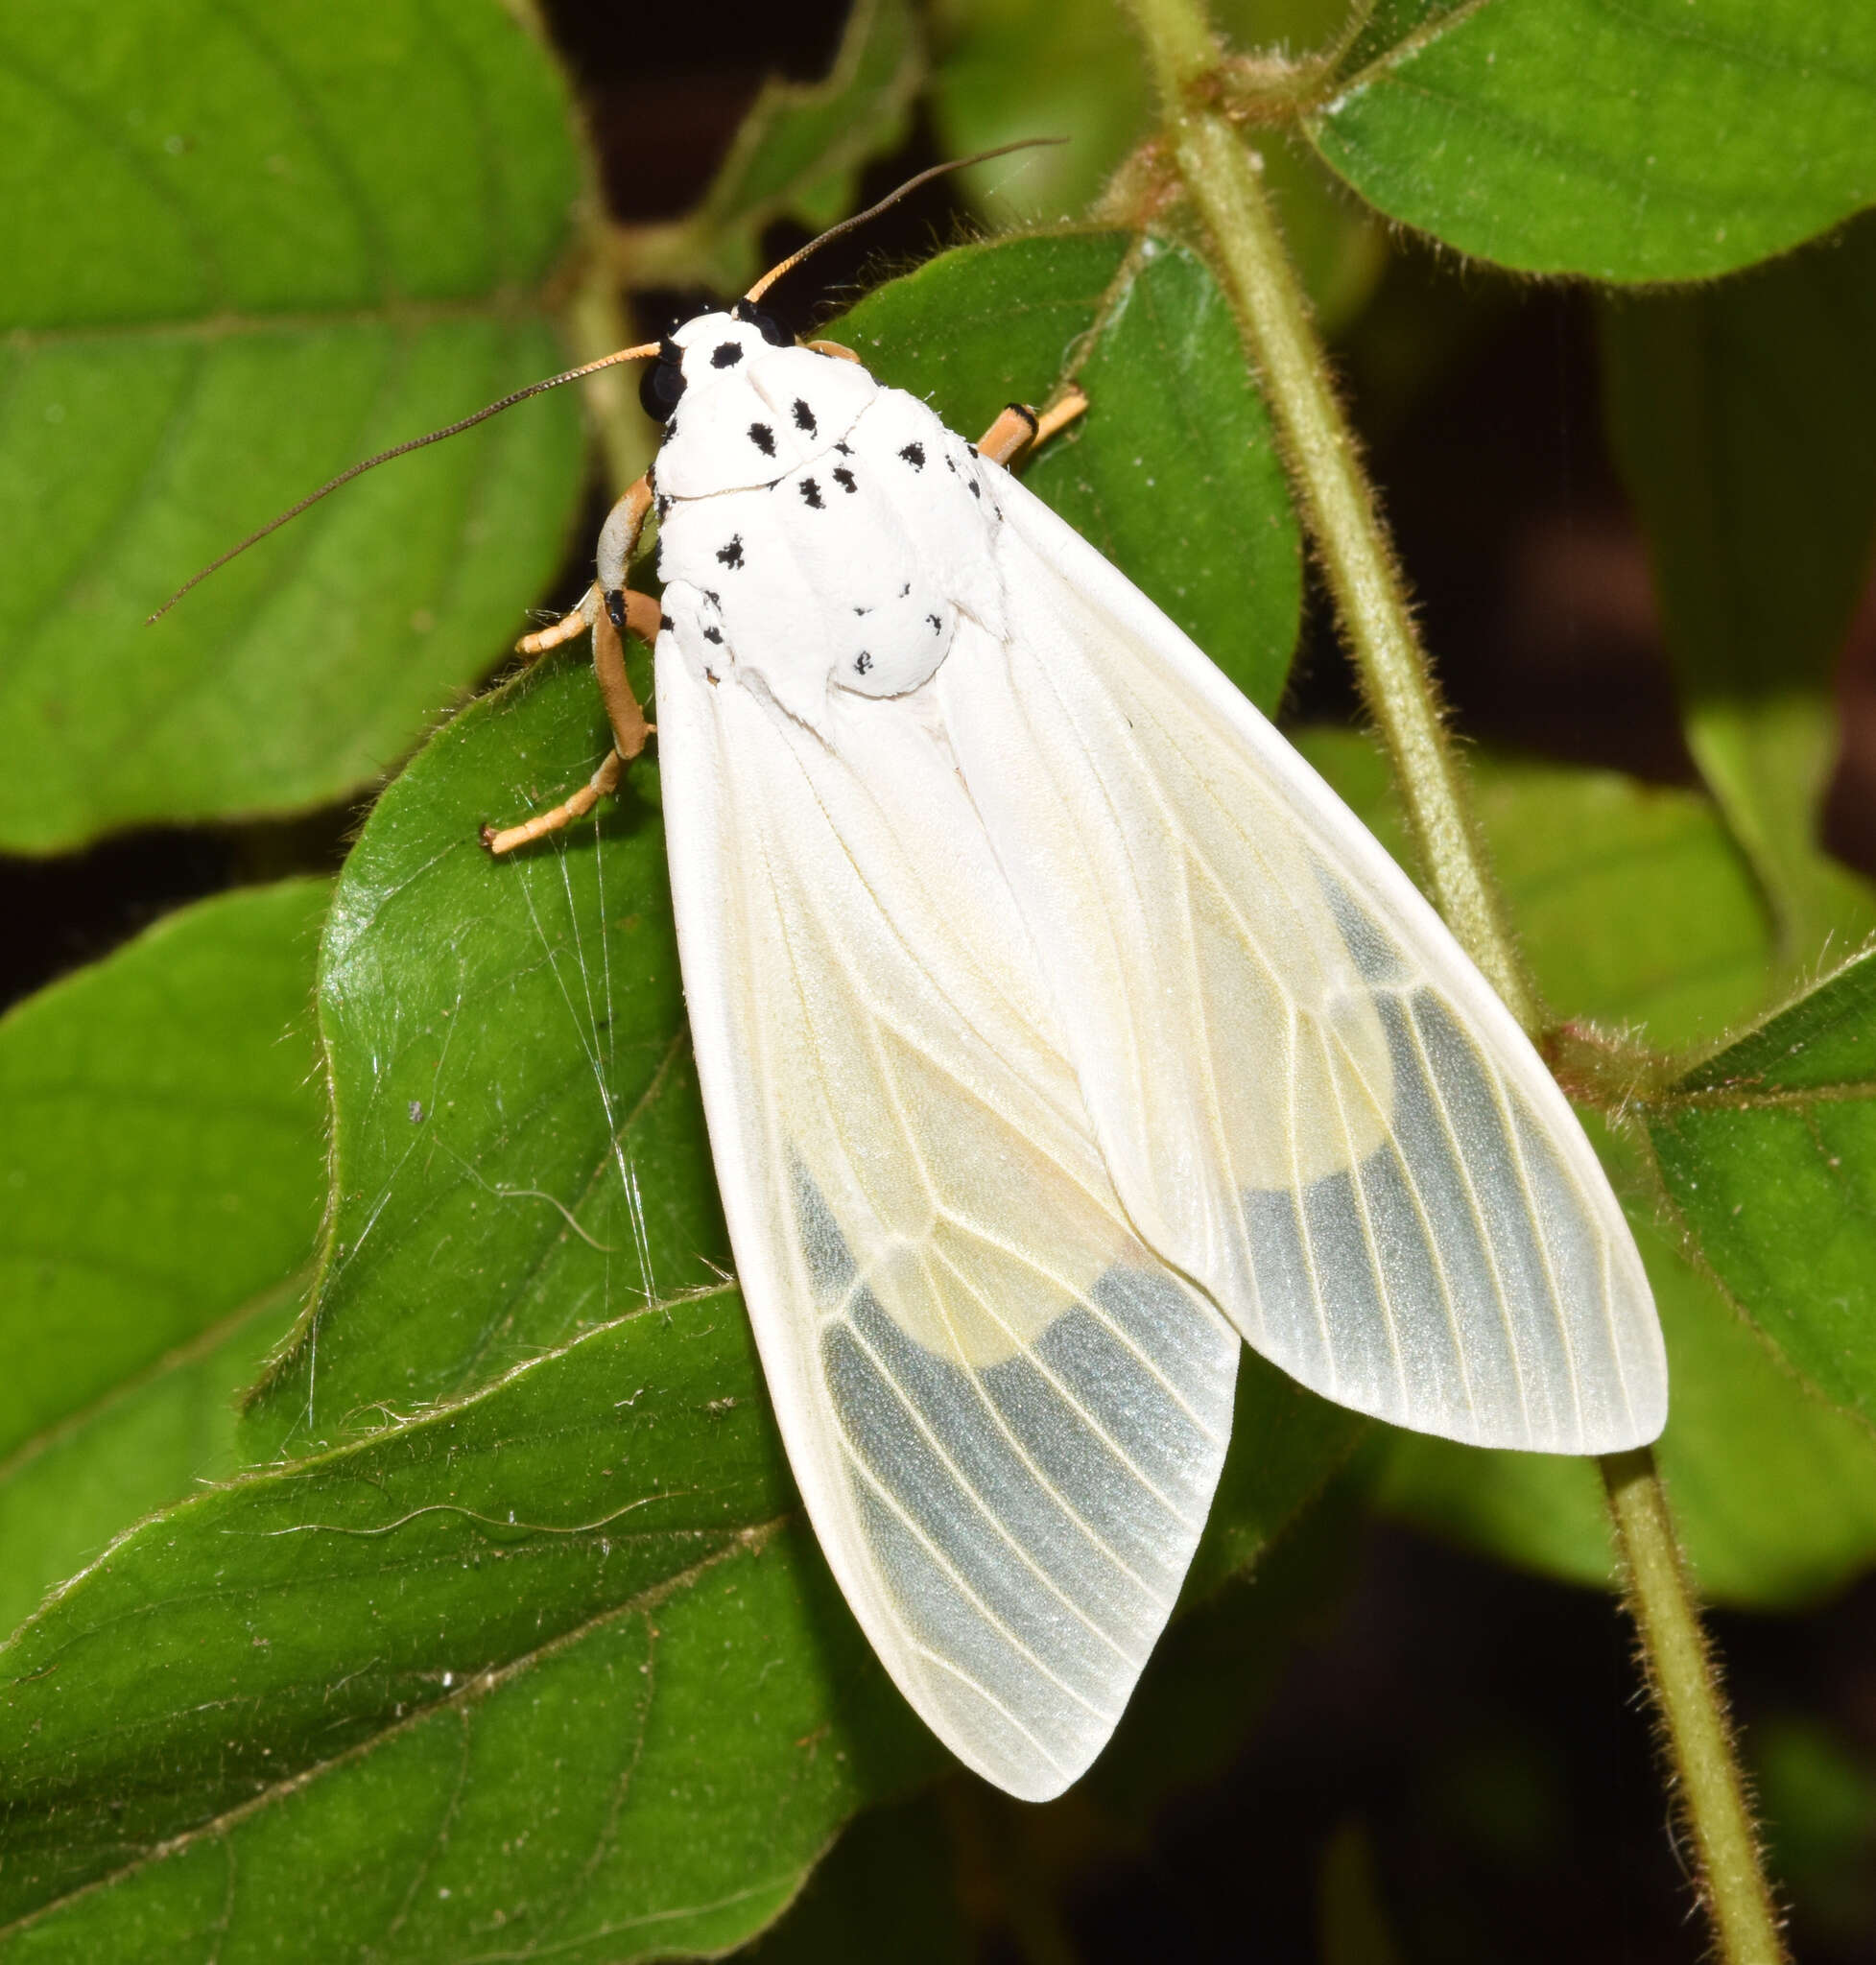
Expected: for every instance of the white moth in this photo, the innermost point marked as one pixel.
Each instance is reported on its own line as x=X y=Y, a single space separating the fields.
x=1058 y=1027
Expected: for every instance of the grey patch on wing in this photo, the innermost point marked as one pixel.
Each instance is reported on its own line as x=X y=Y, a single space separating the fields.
x=1030 y=1522
x=969 y=1536
x=926 y=1430
x=829 y=1261
x=1418 y=1286
x=1377 y=960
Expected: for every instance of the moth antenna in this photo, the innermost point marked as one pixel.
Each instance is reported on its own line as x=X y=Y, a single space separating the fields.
x=384 y=456
x=886 y=203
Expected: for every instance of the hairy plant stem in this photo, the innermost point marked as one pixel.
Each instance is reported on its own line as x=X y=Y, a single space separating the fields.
x=1222 y=178
x=1681 y=1676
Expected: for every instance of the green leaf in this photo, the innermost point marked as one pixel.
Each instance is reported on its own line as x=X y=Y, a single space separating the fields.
x=1654 y=140
x=1816 y=1787
x=798 y=156
x=1744 y=418
x=249 y=246
x=1768 y=1152
x=1173 y=473
x=413 y=1665
x=150 y=1442
x=518 y=1150
x=549 y=1663
x=163 y=1163
x=1010 y=69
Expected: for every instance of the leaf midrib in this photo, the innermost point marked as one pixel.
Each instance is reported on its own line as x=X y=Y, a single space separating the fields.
x=508 y=302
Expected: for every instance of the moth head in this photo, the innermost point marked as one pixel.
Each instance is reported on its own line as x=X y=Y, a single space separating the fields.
x=713 y=341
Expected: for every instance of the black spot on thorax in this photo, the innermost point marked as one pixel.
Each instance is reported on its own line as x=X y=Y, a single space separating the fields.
x=725 y=355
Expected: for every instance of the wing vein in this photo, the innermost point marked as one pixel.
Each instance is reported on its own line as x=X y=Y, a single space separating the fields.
x=990 y=1698
x=1384 y=1294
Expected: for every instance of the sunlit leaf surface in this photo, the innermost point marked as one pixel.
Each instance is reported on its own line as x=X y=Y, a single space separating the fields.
x=1654 y=140
x=163 y=1163
x=249 y=246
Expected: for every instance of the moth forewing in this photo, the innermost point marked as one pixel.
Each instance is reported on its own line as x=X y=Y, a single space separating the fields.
x=1310 y=1100
x=1005 y=1415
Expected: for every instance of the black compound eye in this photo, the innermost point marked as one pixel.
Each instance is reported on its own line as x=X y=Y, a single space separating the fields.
x=766 y=325
x=660 y=388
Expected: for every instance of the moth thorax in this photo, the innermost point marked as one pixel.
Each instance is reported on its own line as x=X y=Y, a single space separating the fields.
x=752 y=413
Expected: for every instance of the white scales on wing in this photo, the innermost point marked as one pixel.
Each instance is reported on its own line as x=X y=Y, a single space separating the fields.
x=1049 y=1013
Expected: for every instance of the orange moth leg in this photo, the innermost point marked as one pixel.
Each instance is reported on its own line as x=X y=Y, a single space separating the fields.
x=562 y=630
x=1019 y=426
x=604 y=781
x=623 y=711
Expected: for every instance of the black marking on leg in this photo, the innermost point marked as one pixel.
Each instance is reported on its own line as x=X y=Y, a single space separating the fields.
x=914 y=455
x=664 y=505
x=616 y=608
x=664 y=623
x=763 y=438
x=732 y=555
x=811 y=491
x=843 y=478
x=725 y=355
x=1027 y=413
x=804 y=417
